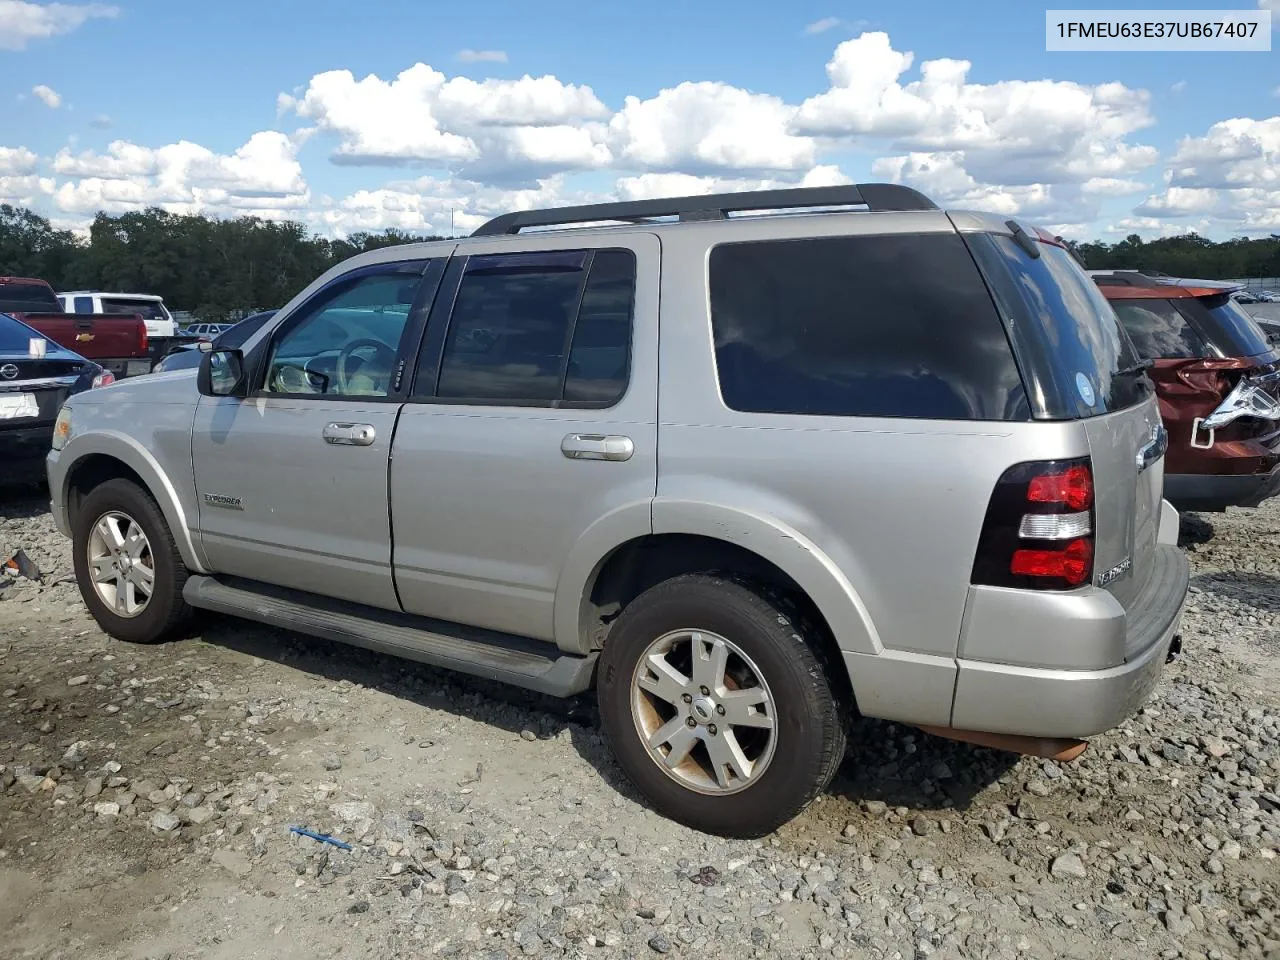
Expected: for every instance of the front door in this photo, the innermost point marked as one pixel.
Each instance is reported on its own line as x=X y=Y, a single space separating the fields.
x=533 y=418
x=292 y=481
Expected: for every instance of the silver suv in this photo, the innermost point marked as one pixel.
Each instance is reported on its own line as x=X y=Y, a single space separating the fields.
x=746 y=475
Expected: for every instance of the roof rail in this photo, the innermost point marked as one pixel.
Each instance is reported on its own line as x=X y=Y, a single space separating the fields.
x=876 y=197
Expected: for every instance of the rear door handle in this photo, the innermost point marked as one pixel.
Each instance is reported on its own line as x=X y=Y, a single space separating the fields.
x=350 y=434
x=595 y=446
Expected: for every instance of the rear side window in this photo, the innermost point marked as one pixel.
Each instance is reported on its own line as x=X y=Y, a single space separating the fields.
x=149 y=309
x=876 y=326
x=1158 y=330
x=541 y=329
x=84 y=304
x=1078 y=360
x=1229 y=326
x=28 y=298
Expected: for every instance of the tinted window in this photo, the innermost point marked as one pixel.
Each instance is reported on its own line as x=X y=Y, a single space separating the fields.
x=28 y=298
x=885 y=326
x=600 y=358
x=235 y=335
x=541 y=328
x=1228 y=325
x=16 y=337
x=84 y=304
x=1158 y=330
x=1079 y=360
x=149 y=309
x=346 y=343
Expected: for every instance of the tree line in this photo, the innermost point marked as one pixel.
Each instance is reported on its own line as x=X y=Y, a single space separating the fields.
x=216 y=269
x=221 y=269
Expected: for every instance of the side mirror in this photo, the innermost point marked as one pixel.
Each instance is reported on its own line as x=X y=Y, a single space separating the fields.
x=222 y=374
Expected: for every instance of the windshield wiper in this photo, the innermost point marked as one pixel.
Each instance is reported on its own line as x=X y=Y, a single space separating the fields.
x=1142 y=366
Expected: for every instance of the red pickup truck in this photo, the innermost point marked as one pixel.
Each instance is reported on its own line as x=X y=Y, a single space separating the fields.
x=115 y=341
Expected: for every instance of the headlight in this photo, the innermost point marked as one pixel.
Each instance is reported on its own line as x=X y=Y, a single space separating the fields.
x=62 y=427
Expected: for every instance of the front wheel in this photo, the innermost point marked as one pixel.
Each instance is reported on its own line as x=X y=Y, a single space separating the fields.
x=718 y=707
x=127 y=566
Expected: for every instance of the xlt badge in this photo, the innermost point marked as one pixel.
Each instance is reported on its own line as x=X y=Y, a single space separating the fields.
x=1115 y=573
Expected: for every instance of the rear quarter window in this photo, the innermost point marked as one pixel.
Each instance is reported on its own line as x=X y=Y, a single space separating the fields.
x=870 y=326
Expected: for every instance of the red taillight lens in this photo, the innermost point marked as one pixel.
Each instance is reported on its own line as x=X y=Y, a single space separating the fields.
x=1073 y=563
x=1073 y=487
x=104 y=379
x=1039 y=530
x=143 y=344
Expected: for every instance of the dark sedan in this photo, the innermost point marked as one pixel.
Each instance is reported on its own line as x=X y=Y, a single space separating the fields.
x=187 y=356
x=36 y=376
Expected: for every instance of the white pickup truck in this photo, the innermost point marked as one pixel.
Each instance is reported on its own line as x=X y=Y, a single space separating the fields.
x=160 y=323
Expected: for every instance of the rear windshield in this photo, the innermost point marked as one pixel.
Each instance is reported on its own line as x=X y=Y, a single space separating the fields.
x=1227 y=325
x=1159 y=330
x=28 y=298
x=15 y=337
x=868 y=326
x=1076 y=357
x=149 y=309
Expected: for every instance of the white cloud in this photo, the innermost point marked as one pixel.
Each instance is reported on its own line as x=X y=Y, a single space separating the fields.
x=22 y=22
x=482 y=56
x=24 y=190
x=649 y=186
x=101 y=121
x=1178 y=87
x=47 y=95
x=822 y=26
x=1014 y=131
x=710 y=126
x=423 y=117
x=17 y=161
x=1112 y=186
x=262 y=177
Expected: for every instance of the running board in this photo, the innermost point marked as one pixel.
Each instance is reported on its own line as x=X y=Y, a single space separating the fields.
x=519 y=661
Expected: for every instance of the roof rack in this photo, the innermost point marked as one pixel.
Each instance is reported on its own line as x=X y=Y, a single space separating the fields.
x=876 y=197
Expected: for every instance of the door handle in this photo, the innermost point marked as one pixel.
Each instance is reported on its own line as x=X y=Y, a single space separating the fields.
x=595 y=446
x=350 y=434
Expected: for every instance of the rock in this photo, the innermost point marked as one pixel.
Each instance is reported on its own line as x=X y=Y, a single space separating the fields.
x=107 y=809
x=922 y=826
x=360 y=906
x=201 y=815
x=1177 y=923
x=92 y=788
x=877 y=808
x=659 y=944
x=78 y=681
x=528 y=735
x=331 y=762
x=163 y=822
x=233 y=861
x=352 y=810
x=1068 y=865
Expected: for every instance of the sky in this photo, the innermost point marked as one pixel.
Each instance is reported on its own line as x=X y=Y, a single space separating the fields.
x=431 y=117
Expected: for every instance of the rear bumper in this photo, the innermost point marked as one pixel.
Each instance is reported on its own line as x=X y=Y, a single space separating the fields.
x=23 y=449
x=1038 y=702
x=1213 y=493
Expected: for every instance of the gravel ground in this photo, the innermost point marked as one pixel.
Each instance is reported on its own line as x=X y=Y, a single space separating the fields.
x=147 y=795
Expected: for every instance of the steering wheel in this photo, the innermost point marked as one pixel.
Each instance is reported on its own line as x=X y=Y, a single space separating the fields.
x=380 y=352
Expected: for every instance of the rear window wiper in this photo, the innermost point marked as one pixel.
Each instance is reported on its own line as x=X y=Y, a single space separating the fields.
x=1141 y=366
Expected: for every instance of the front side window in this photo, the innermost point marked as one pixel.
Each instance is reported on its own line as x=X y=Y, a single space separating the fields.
x=1158 y=329
x=870 y=326
x=541 y=328
x=346 y=343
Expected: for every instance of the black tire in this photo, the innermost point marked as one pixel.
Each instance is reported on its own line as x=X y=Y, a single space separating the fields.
x=166 y=612
x=811 y=721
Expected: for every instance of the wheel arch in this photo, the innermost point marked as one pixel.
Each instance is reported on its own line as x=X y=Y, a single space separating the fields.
x=98 y=458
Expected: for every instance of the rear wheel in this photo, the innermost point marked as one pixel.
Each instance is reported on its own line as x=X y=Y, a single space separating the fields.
x=127 y=566
x=718 y=707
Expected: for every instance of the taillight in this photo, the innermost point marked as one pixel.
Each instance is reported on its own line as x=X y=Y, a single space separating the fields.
x=104 y=379
x=1039 y=528
x=142 y=337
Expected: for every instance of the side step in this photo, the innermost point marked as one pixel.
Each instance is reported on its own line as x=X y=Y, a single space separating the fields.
x=519 y=661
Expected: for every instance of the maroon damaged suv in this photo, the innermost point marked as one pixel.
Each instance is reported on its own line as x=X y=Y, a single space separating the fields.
x=1218 y=383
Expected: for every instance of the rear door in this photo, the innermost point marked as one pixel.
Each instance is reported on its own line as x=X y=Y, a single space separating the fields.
x=533 y=419
x=1081 y=365
x=292 y=481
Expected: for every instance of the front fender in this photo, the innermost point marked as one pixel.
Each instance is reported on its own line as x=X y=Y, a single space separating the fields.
x=789 y=550
x=128 y=451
